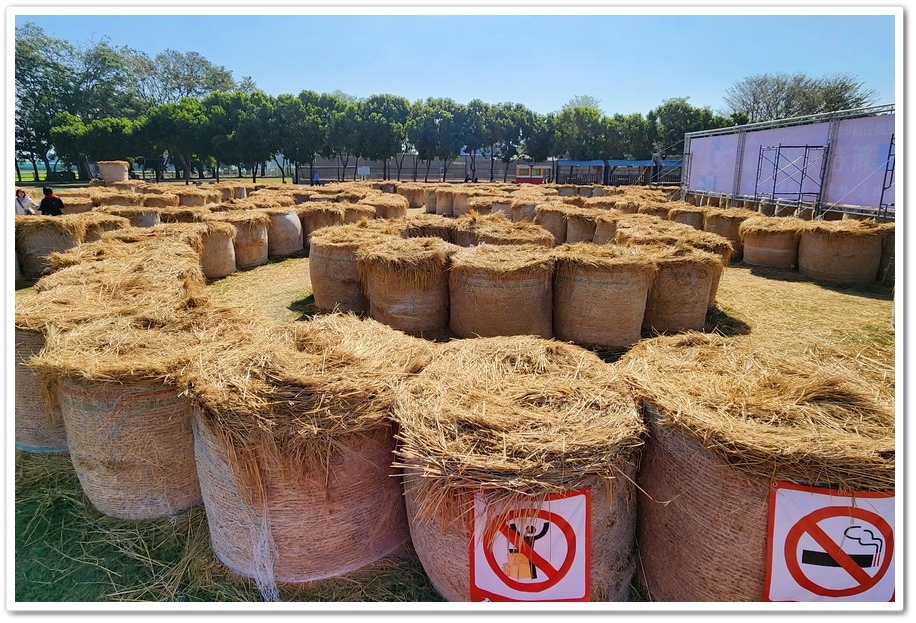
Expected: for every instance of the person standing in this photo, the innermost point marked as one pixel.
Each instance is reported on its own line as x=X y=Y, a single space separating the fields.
x=24 y=203
x=51 y=205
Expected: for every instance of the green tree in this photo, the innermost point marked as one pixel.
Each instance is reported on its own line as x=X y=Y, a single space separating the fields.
x=42 y=79
x=510 y=125
x=475 y=131
x=422 y=134
x=766 y=97
x=675 y=117
x=301 y=135
x=171 y=76
x=540 y=145
x=181 y=129
x=384 y=122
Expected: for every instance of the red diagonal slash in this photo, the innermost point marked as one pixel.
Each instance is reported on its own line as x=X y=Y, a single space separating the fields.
x=539 y=561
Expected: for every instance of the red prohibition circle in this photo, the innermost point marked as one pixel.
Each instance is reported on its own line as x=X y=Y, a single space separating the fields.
x=559 y=573
x=801 y=527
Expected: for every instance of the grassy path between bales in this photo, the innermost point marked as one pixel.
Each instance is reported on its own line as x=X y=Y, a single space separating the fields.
x=66 y=551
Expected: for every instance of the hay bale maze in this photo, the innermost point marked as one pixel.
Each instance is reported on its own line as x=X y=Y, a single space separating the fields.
x=429 y=392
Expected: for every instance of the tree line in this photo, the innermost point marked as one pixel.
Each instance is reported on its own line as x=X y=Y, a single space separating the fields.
x=97 y=102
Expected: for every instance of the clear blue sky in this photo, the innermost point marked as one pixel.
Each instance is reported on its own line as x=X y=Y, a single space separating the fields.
x=630 y=61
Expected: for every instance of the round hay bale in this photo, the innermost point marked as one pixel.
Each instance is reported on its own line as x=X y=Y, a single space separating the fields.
x=406 y=283
x=251 y=240
x=387 y=206
x=603 y=202
x=771 y=241
x=627 y=206
x=321 y=520
x=97 y=224
x=284 y=233
x=600 y=293
x=847 y=252
x=355 y=212
x=191 y=197
x=429 y=200
x=445 y=197
x=605 y=226
x=414 y=193
x=430 y=226
x=655 y=209
x=766 y=208
x=580 y=225
x=498 y=229
x=179 y=214
x=333 y=268
x=39 y=424
x=679 y=296
x=524 y=209
x=131 y=446
x=482 y=204
x=725 y=222
x=567 y=190
x=114 y=170
x=294 y=449
x=112 y=198
x=39 y=236
x=315 y=216
x=501 y=290
x=727 y=419
x=688 y=215
x=888 y=244
x=160 y=200
x=552 y=217
x=137 y=215
x=78 y=205
x=554 y=419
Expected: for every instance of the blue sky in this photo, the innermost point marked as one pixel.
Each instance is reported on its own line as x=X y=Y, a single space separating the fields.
x=631 y=61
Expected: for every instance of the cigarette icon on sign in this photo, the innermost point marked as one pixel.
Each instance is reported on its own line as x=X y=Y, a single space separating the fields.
x=865 y=538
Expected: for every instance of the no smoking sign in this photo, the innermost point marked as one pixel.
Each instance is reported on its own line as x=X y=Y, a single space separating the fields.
x=532 y=552
x=824 y=546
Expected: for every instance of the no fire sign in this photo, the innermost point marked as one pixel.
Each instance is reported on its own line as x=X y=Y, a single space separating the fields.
x=824 y=546
x=532 y=552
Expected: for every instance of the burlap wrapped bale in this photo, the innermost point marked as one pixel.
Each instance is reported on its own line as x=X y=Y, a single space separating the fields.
x=414 y=193
x=501 y=290
x=315 y=215
x=428 y=226
x=37 y=237
x=688 y=215
x=726 y=419
x=139 y=216
x=847 y=252
x=660 y=210
x=406 y=283
x=770 y=241
x=114 y=170
x=333 y=268
x=39 y=424
x=887 y=264
x=497 y=229
x=251 y=241
x=552 y=217
x=128 y=427
x=726 y=222
x=516 y=419
x=580 y=225
x=294 y=447
x=387 y=206
x=284 y=233
x=599 y=294
x=445 y=197
x=679 y=296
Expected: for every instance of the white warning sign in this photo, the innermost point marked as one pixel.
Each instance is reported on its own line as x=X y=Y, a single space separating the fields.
x=532 y=552
x=824 y=546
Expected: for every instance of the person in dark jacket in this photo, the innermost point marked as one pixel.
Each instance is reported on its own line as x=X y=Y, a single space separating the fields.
x=51 y=205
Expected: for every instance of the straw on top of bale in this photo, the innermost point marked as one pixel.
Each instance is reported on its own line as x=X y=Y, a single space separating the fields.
x=502 y=259
x=183 y=214
x=518 y=417
x=498 y=229
x=379 y=349
x=418 y=261
x=797 y=420
x=605 y=256
x=845 y=227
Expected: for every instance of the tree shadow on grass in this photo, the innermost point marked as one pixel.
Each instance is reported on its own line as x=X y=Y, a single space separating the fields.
x=719 y=321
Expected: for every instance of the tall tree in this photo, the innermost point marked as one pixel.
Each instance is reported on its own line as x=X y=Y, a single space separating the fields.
x=675 y=117
x=384 y=119
x=475 y=131
x=766 y=97
x=509 y=127
x=171 y=76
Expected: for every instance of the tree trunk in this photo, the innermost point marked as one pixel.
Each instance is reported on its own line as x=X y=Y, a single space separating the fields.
x=82 y=165
x=429 y=163
x=355 y=167
x=282 y=171
x=492 y=166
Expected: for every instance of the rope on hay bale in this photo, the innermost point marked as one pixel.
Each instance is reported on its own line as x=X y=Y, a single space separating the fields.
x=489 y=285
x=726 y=419
x=600 y=293
x=294 y=450
x=515 y=419
x=406 y=283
